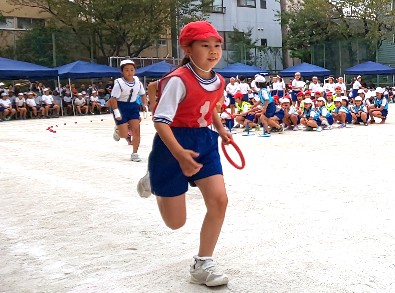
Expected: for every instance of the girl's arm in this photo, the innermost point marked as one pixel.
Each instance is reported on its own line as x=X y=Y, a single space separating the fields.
x=184 y=157
x=226 y=136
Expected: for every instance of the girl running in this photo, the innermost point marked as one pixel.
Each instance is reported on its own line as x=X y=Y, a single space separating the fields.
x=126 y=109
x=187 y=148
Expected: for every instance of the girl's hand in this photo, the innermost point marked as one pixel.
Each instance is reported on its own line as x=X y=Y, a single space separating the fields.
x=187 y=163
x=225 y=136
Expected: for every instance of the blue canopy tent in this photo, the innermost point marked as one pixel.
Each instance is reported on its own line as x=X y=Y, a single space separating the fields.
x=241 y=69
x=11 y=69
x=370 y=68
x=81 y=69
x=305 y=69
x=155 y=70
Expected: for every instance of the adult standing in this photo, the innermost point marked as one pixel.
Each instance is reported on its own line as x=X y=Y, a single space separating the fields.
x=231 y=89
x=356 y=85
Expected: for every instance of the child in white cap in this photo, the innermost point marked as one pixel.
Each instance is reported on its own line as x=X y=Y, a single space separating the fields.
x=359 y=112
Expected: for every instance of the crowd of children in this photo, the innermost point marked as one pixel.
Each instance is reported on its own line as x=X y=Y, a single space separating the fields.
x=277 y=107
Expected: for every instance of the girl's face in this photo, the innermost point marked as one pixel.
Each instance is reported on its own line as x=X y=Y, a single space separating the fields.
x=286 y=105
x=128 y=72
x=205 y=53
x=329 y=98
x=307 y=105
x=344 y=102
x=320 y=103
x=338 y=93
x=358 y=103
x=300 y=98
x=338 y=104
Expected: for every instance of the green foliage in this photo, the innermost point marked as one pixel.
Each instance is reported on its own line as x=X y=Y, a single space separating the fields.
x=36 y=46
x=115 y=26
x=240 y=46
x=315 y=21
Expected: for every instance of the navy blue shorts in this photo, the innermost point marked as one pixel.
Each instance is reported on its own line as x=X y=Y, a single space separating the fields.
x=348 y=118
x=279 y=93
x=250 y=117
x=231 y=99
x=270 y=110
x=167 y=179
x=2 y=108
x=129 y=111
x=294 y=96
x=329 y=119
x=245 y=98
x=229 y=123
x=354 y=93
x=384 y=112
x=280 y=115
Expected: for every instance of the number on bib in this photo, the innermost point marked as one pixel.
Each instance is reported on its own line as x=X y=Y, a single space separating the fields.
x=203 y=110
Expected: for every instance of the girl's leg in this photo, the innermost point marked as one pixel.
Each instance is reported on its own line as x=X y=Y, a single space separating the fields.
x=172 y=210
x=216 y=200
x=364 y=117
x=312 y=123
x=303 y=121
x=294 y=120
x=134 y=125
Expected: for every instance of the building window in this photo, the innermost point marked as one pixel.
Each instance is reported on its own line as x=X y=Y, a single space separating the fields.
x=264 y=42
x=7 y=23
x=246 y=3
x=162 y=42
x=263 y=4
x=29 y=23
x=214 y=6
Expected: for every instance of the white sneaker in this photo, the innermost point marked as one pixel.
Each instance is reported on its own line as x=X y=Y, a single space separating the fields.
x=329 y=127
x=144 y=186
x=203 y=271
x=135 y=157
x=115 y=135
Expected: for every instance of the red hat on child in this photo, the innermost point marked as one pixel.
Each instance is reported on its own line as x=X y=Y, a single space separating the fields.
x=300 y=94
x=238 y=95
x=196 y=31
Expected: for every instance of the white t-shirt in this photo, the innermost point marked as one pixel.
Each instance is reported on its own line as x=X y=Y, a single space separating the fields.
x=343 y=86
x=299 y=84
x=278 y=86
x=315 y=87
x=67 y=99
x=31 y=102
x=20 y=102
x=47 y=99
x=244 y=88
x=232 y=88
x=79 y=101
x=94 y=99
x=5 y=103
x=330 y=87
x=292 y=110
x=125 y=91
x=356 y=85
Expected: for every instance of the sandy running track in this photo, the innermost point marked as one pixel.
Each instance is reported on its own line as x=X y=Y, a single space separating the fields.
x=311 y=212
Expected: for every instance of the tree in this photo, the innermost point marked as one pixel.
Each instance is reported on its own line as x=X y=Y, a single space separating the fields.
x=240 y=46
x=313 y=21
x=36 y=46
x=115 y=26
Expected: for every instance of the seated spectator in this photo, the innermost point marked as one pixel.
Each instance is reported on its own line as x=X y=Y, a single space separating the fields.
x=80 y=105
x=291 y=117
x=20 y=106
x=68 y=103
x=6 y=107
x=341 y=113
x=308 y=115
x=95 y=103
x=12 y=97
x=33 y=106
x=379 y=108
x=322 y=115
x=48 y=102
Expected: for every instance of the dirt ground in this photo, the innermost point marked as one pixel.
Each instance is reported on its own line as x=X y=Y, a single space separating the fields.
x=311 y=212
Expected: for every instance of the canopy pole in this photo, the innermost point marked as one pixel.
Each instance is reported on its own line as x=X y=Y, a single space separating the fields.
x=71 y=92
x=60 y=95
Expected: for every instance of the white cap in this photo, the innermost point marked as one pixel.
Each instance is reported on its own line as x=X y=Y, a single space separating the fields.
x=4 y=94
x=379 y=90
x=358 y=99
x=321 y=99
x=125 y=62
x=46 y=89
x=83 y=92
x=1 y=83
x=30 y=93
x=20 y=94
x=344 y=98
x=361 y=91
x=94 y=92
x=79 y=94
x=359 y=76
x=307 y=101
x=285 y=100
x=259 y=78
x=337 y=99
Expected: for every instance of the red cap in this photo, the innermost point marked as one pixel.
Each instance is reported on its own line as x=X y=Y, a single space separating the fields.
x=300 y=93
x=238 y=95
x=329 y=93
x=197 y=31
x=338 y=88
x=308 y=93
x=317 y=93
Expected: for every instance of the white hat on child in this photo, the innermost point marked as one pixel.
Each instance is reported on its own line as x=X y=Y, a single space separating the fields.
x=307 y=101
x=358 y=99
x=260 y=78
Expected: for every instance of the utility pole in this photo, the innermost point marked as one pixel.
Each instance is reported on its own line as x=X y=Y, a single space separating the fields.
x=53 y=49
